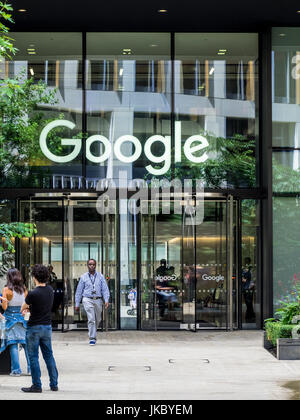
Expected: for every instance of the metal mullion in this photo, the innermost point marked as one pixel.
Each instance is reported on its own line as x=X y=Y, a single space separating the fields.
x=84 y=114
x=139 y=269
x=63 y=262
x=195 y=270
x=172 y=102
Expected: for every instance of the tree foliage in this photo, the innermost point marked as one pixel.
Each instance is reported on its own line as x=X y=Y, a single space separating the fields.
x=231 y=163
x=9 y=231
x=20 y=124
x=7 y=49
x=10 y=91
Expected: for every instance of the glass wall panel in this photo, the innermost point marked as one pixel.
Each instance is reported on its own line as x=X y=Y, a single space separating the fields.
x=286 y=247
x=128 y=87
x=285 y=110
x=69 y=233
x=48 y=68
x=88 y=234
x=128 y=269
x=216 y=100
x=286 y=171
x=250 y=287
x=286 y=148
x=45 y=247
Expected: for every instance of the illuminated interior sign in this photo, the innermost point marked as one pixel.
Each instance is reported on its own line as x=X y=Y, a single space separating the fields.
x=191 y=146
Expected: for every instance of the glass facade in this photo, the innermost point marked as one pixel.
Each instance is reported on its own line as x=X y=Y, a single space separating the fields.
x=286 y=175
x=138 y=112
x=101 y=116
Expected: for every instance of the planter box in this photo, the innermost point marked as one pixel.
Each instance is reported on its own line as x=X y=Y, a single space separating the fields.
x=5 y=362
x=288 y=349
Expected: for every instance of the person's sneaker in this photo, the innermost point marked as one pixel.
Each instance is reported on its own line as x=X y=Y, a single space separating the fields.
x=54 y=388
x=32 y=389
x=92 y=342
x=14 y=374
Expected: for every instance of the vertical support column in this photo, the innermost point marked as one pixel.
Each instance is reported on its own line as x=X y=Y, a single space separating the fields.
x=84 y=110
x=265 y=159
x=230 y=261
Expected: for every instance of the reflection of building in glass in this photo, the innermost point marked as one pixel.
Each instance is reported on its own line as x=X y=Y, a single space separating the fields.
x=136 y=95
x=178 y=87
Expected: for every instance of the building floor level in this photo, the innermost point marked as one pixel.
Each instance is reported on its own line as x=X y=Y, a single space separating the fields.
x=191 y=264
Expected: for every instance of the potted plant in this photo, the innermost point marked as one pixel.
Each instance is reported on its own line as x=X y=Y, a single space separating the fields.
x=282 y=332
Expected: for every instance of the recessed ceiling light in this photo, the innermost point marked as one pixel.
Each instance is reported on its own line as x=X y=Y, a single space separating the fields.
x=281 y=34
x=222 y=50
x=22 y=10
x=162 y=11
x=153 y=45
x=30 y=49
x=298 y=11
x=31 y=52
x=221 y=53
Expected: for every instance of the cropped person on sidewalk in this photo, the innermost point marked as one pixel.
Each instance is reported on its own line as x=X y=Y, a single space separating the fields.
x=39 y=330
x=13 y=297
x=92 y=288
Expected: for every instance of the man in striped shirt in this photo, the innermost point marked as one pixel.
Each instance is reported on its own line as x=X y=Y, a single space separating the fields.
x=92 y=288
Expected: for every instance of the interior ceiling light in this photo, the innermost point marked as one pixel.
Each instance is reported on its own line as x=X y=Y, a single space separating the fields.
x=127 y=51
x=31 y=71
x=221 y=53
x=222 y=50
x=281 y=34
x=22 y=10
x=162 y=11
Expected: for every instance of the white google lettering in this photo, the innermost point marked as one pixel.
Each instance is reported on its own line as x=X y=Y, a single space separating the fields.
x=189 y=147
x=165 y=278
x=218 y=278
x=64 y=142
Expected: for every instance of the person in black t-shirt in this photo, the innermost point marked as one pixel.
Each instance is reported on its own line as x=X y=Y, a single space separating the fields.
x=39 y=330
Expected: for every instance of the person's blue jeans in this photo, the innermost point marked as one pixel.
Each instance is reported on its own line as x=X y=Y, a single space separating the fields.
x=14 y=357
x=40 y=336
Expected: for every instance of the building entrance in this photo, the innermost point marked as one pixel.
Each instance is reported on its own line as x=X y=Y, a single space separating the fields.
x=69 y=232
x=166 y=270
x=189 y=269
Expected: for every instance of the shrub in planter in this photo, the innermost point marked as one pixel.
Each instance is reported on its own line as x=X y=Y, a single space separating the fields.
x=276 y=329
x=283 y=326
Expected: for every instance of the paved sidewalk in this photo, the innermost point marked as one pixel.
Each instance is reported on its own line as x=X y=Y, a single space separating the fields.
x=165 y=365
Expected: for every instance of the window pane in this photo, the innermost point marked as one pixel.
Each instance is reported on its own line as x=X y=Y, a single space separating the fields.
x=48 y=67
x=286 y=173
x=128 y=94
x=216 y=91
x=286 y=236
